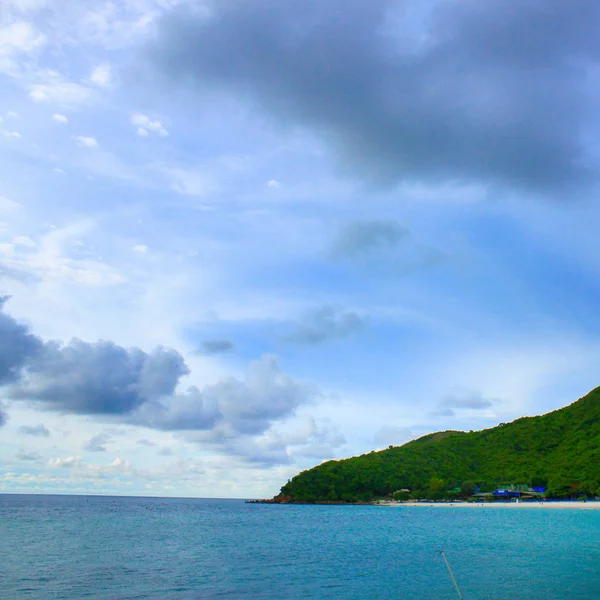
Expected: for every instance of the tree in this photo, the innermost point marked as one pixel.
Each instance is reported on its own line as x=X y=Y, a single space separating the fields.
x=468 y=488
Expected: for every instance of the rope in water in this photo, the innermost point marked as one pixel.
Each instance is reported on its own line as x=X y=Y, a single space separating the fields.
x=452 y=575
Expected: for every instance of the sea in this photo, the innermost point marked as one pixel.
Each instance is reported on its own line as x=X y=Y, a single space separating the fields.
x=72 y=547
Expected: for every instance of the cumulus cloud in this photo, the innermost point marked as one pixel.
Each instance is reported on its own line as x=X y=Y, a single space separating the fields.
x=211 y=347
x=99 y=378
x=18 y=347
x=463 y=400
x=231 y=406
x=131 y=386
x=491 y=92
x=325 y=323
x=35 y=430
x=69 y=462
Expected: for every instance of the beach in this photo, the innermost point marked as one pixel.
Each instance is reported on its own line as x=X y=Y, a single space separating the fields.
x=592 y=505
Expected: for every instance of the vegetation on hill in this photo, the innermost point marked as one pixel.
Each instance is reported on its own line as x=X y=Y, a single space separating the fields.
x=560 y=449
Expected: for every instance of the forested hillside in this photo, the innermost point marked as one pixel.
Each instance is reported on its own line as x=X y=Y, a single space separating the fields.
x=561 y=448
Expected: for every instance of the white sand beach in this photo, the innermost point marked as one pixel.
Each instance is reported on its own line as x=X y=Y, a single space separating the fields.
x=592 y=505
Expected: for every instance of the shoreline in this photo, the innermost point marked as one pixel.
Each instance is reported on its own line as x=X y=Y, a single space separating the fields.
x=559 y=504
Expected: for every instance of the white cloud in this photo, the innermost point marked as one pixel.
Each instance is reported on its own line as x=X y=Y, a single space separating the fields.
x=11 y=114
x=273 y=183
x=19 y=37
x=6 y=204
x=102 y=75
x=58 y=118
x=23 y=240
x=140 y=248
x=86 y=141
x=65 y=463
x=145 y=124
x=58 y=171
x=7 y=249
x=12 y=134
x=55 y=259
x=190 y=182
x=58 y=90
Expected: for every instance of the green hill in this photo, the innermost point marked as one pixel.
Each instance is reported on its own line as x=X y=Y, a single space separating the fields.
x=560 y=449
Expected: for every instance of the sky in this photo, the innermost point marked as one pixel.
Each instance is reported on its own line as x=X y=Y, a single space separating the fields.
x=240 y=238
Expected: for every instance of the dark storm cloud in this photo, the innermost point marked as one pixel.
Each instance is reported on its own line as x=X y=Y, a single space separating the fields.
x=212 y=347
x=325 y=323
x=17 y=346
x=497 y=92
x=36 y=430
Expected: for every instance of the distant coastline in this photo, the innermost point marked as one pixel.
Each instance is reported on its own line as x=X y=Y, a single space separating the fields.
x=590 y=505
x=577 y=504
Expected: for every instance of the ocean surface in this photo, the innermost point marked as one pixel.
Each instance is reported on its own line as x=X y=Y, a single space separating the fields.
x=104 y=547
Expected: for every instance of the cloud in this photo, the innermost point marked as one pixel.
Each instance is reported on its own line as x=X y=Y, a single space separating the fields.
x=369 y=236
x=484 y=92
x=145 y=442
x=99 y=378
x=140 y=248
x=19 y=37
x=18 y=347
x=463 y=400
x=3 y=415
x=97 y=443
x=28 y=456
x=36 y=430
x=146 y=125
x=11 y=114
x=273 y=183
x=382 y=247
x=8 y=205
x=58 y=118
x=102 y=75
x=231 y=407
x=325 y=323
x=211 y=347
x=130 y=386
x=69 y=462
x=60 y=91
x=85 y=141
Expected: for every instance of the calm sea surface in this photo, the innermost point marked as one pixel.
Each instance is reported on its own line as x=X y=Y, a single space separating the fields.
x=102 y=547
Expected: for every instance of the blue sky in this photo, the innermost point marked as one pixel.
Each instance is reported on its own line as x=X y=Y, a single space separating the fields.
x=241 y=238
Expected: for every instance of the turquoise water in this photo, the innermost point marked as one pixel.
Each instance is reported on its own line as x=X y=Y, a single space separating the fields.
x=99 y=547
